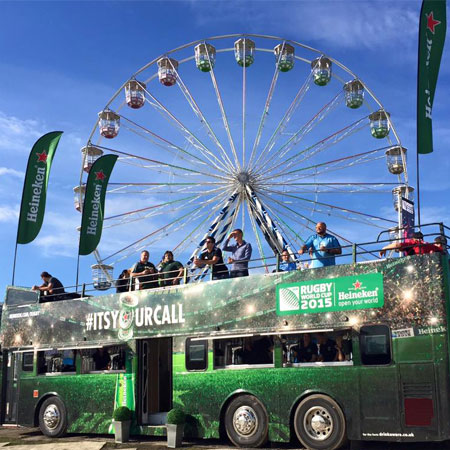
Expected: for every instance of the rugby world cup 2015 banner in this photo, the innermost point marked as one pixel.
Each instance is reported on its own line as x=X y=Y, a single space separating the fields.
x=339 y=294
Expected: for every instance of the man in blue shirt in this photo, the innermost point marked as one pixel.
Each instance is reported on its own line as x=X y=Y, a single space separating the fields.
x=323 y=246
x=241 y=252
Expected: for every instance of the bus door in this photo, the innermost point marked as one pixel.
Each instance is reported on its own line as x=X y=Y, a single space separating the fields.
x=11 y=364
x=154 y=380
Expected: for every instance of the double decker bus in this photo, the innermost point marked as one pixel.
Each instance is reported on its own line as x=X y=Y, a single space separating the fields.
x=231 y=354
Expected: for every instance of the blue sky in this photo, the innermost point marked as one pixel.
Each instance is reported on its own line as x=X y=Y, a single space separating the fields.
x=62 y=61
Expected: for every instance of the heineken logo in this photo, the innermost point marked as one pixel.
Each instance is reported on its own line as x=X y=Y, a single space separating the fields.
x=346 y=293
x=431 y=23
x=100 y=175
x=37 y=187
x=42 y=157
x=95 y=210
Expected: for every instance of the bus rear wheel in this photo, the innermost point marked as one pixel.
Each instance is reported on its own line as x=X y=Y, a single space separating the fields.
x=246 y=422
x=53 y=417
x=320 y=423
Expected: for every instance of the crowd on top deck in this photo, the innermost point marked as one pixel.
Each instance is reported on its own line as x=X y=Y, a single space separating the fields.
x=322 y=248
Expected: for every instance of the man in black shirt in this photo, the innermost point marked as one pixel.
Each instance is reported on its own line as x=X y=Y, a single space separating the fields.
x=101 y=359
x=307 y=350
x=212 y=256
x=327 y=348
x=145 y=272
x=52 y=289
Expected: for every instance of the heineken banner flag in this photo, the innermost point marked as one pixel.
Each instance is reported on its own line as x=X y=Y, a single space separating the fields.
x=94 y=203
x=407 y=217
x=35 y=187
x=432 y=29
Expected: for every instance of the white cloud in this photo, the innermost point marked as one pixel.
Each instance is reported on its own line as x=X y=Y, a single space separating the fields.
x=9 y=214
x=12 y=172
x=18 y=134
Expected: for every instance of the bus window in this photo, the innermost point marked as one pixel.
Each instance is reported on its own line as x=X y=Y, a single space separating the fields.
x=102 y=359
x=329 y=347
x=196 y=354
x=245 y=350
x=56 y=362
x=27 y=361
x=375 y=343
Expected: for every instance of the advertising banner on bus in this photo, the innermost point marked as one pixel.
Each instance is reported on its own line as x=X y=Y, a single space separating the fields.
x=339 y=294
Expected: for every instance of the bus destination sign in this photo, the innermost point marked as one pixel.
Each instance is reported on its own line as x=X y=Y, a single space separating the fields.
x=331 y=294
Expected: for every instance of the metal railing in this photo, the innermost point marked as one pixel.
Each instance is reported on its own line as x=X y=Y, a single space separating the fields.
x=356 y=253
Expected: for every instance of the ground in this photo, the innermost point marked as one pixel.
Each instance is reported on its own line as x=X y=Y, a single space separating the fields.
x=32 y=438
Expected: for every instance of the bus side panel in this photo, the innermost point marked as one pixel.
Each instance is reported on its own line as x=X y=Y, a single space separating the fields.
x=89 y=400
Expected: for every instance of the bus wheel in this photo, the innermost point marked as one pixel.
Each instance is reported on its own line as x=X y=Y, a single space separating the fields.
x=246 y=422
x=320 y=423
x=53 y=417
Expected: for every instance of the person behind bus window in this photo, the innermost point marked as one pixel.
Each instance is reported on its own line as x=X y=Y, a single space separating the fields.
x=257 y=351
x=52 y=289
x=343 y=349
x=145 y=272
x=123 y=283
x=241 y=253
x=326 y=347
x=324 y=247
x=101 y=359
x=306 y=350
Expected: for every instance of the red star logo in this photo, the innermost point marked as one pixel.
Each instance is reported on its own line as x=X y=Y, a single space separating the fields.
x=100 y=175
x=125 y=316
x=357 y=284
x=42 y=157
x=431 y=23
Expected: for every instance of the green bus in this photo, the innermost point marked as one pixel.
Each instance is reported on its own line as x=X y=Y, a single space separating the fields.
x=233 y=354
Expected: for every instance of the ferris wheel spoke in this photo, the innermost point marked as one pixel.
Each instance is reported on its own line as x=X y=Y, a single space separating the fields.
x=167 y=145
x=222 y=108
x=266 y=109
x=319 y=146
x=189 y=135
x=288 y=232
x=226 y=162
x=296 y=138
x=183 y=219
x=158 y=164
x=285 y=120
x=258 y=239
x=334 y=164
x=338 y=211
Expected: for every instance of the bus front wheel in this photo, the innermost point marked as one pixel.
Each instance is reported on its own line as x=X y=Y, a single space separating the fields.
x=53 y=417
x=246 y=422
x=320 y=423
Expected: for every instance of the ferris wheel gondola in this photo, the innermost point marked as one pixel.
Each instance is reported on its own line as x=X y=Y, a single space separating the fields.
x=199 y=159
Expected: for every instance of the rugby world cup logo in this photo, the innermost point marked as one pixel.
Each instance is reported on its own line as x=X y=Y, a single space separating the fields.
x=289 y=299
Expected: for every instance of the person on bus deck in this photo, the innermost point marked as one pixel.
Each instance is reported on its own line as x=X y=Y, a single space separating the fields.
x=123 y=282
x=286 y=265
x=326 y=348
x=241 y=252
x=101 y=359
x=306 y=350
x=212 y=256
x=323 y=246
x=145 y=272
x=342 y=349
x=52 y=289
x=171 y=272
x=412 y=246
x=441 y=243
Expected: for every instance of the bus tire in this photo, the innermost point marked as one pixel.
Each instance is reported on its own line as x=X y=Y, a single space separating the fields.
x=53 y=417
x=246 y=422
x=319 y=423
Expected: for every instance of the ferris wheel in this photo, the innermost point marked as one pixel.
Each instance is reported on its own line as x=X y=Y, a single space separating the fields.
x=242 y=131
